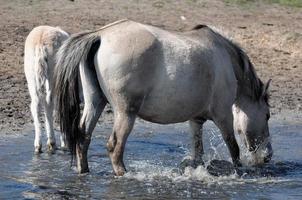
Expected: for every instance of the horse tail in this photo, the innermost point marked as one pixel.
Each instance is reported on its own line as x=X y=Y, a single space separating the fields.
x=41 y=67
x=75 y=49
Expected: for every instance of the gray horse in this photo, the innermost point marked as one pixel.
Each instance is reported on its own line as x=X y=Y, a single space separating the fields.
x=162 y=77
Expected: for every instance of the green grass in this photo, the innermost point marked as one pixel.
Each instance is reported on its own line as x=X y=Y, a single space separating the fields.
x=293 y=3
x=239 y=1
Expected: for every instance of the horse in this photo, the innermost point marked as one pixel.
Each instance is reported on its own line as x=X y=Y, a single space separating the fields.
x=41 y=46
x=162 y=77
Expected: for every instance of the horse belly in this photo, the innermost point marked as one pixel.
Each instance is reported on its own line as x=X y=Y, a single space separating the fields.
x=176 y=102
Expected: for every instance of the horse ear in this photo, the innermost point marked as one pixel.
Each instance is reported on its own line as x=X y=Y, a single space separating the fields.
x=266 y=86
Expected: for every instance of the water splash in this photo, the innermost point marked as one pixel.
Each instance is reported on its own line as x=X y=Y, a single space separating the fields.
x=152 y=159
x=148 y=171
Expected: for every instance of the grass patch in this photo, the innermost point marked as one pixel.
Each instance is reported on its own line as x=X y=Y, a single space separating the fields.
x=293 y=3
x=240 y=1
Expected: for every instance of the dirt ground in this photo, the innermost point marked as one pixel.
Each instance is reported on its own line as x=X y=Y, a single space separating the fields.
x=271 y=35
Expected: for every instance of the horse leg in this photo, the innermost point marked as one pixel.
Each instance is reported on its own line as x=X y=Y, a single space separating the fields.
x=48 y=111
x=35 y=111
x=226 y=127
x=197 y=150
x=196 y=129
x=33 y=88
x=63 y=143
x=91 y=114
x=123 y=124
x=94 y=104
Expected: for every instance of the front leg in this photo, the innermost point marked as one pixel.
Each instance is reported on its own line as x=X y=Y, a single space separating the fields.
x=226 y=127
x=197 y=150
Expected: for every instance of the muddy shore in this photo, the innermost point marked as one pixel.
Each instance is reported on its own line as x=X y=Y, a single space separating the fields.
x=270 y=34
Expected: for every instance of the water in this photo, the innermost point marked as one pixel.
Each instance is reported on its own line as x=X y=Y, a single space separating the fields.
x=152 y=156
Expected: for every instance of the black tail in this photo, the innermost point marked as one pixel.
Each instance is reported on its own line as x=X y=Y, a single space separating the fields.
x=75 y=49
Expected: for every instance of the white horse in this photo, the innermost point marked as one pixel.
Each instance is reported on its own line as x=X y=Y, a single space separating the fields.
x=162 y=77
x=41 y=46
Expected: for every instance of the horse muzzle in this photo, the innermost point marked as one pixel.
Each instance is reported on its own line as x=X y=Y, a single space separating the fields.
x=262 y=154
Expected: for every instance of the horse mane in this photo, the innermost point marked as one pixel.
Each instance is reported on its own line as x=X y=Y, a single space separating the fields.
x=248 y=81
x=249 y=75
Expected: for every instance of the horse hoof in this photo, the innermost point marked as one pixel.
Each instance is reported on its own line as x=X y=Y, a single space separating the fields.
x=38 y=150
x=64 y=148
x=189 y=163
x=221 y=168
x=237 y=164
x=51 y=148
x=83 y=170
x=120 y=173
x=119 y=170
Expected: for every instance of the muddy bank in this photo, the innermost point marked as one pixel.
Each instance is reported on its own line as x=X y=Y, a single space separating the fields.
x=271 y=34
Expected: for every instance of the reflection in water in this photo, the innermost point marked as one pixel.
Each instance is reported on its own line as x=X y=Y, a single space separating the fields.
x=152 y=156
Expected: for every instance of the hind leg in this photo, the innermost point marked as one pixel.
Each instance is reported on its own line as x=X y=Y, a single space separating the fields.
x=91 y=114
x=94 y=104
x=123 y=124
x=35 y=111
x=35 y=106
x=48 y=112
x=64 y=146
x=49 y=109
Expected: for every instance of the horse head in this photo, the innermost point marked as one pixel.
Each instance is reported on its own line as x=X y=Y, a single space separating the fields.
x=251 y=122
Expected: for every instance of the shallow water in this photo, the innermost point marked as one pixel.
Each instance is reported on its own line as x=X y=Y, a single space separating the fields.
x=152 y=156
